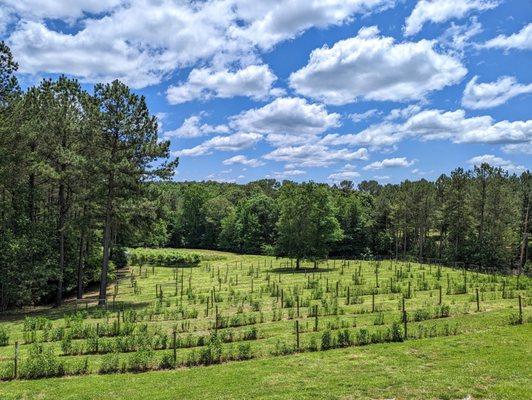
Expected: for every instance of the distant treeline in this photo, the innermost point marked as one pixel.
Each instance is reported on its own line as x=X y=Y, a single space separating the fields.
x=479 y=217
x=83 y=176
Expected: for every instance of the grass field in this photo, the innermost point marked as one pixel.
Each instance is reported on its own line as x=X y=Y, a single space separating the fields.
x=241 y=311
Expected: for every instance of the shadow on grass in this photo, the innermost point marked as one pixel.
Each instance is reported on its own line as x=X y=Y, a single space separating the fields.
x=302 y=270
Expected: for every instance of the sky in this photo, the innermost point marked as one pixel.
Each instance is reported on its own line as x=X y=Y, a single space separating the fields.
x=320 y=90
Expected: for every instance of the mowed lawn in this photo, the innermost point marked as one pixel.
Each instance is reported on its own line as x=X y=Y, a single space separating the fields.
x=492 y=364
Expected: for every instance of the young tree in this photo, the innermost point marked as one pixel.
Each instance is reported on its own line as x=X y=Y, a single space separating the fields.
x=127 y=146
x=307 y=224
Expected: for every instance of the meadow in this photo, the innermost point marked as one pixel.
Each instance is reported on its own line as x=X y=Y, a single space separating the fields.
x=368 y=328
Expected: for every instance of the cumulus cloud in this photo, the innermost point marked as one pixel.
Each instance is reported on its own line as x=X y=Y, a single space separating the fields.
x=267 y=23
x=521 y=40
x=374 y=67
x=357 y=117
x=314 y=155
x=398 y=162
x=523 y=148
x=57 y=9
x=346 y=173
x=492 y=94
x=287 y=173
x=192 y=128
x=287 y=120
x=438 y=11
x=241 y=159
x=234 y=142
x=254 y=81
x=457 y=38
x=437 y=125
x=496 y=162
x=143 y=41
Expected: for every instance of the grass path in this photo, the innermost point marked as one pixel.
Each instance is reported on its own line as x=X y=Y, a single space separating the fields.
x=492 y=364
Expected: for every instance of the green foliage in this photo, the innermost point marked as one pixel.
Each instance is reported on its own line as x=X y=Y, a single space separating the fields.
x=41 y=363
x=4 y=336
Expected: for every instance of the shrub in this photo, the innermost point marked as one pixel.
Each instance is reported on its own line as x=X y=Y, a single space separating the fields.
x=250 y=334
x=282 y=349
x=212 y=353
x=326 y=340
x=363 y=337
x=110 y=363
x=313 y=344
x=344 y=338
x=79 y=367
x=167 y=361
x=244 y=352
x=379 y=319
x=421 y=315
x=41 y=363
x=4 y=337
x=140 y=360
x=396 y=333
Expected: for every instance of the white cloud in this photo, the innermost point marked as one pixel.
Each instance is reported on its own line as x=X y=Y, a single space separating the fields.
x=143 y=41
x=234 y=142
x=139 y=43
x=287 y=120
x=437 y=125
x=287 y=173
x=253 y=81
x=374 y=67
x=496 y=162
x=357 y=117
x=398 y=162
x=57 y=9
x=439 y=11
x=346 y=173
x=241 y=159
x=523 y=148
x=269 y=22
x=191 y=128
x=492 y=94
x=314 y=155
x=458 y=37
x=521 y=40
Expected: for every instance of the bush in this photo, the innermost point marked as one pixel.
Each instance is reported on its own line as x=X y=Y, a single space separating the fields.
x=363 y=337
x=167 y=361
x=379 y=319
x=344 y=338
x=244 y=352
x=396 y=333
x=282 y=349
x=79 y=367
x=140 y=360
x=118 y=257
x=110 y=363
x=326 y=340
x=4 y=337
x=41 y=363
x=212 y=353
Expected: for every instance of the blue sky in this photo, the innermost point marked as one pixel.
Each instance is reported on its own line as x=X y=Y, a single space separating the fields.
x=299 y=89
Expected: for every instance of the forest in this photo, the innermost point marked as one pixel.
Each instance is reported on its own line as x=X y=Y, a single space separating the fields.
x=84 y=176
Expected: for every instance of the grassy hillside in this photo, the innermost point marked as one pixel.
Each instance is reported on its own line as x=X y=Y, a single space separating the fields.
x=230 y=308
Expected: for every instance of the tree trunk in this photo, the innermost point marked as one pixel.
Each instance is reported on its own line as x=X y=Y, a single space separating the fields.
x=106 y=249
x=81 y=264
x=297 y=263
x=61 y=228
x=524 y=243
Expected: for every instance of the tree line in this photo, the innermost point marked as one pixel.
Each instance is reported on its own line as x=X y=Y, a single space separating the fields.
x=73 y=173
x=478 y=218
x=84 y=175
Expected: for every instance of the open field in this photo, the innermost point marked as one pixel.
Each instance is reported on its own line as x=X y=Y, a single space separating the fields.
x=231 y=308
